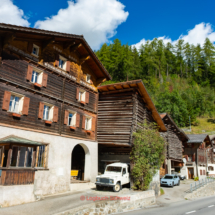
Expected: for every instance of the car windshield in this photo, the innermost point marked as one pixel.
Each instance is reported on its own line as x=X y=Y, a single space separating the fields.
x=168 y=177
x=113 y=169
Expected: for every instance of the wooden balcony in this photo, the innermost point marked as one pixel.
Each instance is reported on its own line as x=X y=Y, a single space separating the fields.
x=16 y=176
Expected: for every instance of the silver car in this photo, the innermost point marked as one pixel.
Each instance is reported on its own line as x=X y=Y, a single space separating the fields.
x=170 y=180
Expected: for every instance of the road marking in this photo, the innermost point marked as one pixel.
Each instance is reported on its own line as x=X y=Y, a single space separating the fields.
x=211 y=206
x=190 y=212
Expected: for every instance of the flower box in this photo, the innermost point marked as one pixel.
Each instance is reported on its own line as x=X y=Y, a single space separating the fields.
x=16 y=115
x=37 y=85
x=48 y=122
x=72 y=127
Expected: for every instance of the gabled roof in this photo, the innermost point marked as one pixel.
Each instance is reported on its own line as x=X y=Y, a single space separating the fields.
x=197 y=138
x=46 y=35
x=136 y=84
x=18 y=140
x=163 y=115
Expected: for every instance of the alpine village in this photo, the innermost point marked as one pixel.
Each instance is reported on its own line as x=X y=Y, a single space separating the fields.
x=68 y=117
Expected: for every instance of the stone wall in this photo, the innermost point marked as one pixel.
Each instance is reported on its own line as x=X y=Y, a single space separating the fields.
x=134 y=201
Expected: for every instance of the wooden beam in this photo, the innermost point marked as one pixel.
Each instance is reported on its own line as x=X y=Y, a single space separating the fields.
x=46 y=43
x=67 y=45
x=8 y=38
x=82 y=60
x=75 y=47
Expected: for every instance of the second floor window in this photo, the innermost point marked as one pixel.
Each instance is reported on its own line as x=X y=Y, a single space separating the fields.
x=88 y=123
x=72 y=119
x=46 y=112
x=15 y=104
x=88 y=78
x=35 y=77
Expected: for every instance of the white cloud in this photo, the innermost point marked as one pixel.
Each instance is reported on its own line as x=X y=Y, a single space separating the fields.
x=95 y=19
x=195 y=36
x=11 y=14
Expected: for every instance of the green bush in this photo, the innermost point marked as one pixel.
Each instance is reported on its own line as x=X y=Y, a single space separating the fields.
x=147 y=155
x=196 y=178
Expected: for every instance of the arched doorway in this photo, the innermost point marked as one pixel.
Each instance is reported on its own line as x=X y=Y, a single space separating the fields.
x=80 y=161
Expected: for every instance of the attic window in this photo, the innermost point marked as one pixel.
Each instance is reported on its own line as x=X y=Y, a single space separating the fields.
x=88 y=78
x=35 y=50
x=62 y=62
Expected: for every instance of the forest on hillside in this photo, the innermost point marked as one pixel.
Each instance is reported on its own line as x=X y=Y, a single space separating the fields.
x=180 y=78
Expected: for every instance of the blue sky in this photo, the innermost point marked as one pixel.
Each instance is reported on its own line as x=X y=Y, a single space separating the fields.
x=100 y=21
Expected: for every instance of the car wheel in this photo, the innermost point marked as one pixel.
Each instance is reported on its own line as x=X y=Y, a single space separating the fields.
x=172 y=184
x=99 y=187
x=117 y=187
x=179 y=183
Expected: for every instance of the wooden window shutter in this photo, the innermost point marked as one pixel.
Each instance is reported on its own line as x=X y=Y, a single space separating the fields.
x=55 y=114
x=29 y=73
x=194 y=157
x=87 y=98
x=6 y=100
x=93 y=124
x=77 y=120
x=41 y=108
x=25 y=107
x=68 y=66
x=30 y=47
x=77 y=93
x=66 y=116
x=45 y=78
x=56 y=60
x=83 y=122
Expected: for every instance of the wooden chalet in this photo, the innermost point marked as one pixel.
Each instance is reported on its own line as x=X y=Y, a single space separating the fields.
x=49 y=108
x=121 y=107
x=195 y=154
x=174 y=149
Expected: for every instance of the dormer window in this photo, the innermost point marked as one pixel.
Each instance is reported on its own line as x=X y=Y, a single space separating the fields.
x=88 y=78
x=35 y=50
x=62 y=62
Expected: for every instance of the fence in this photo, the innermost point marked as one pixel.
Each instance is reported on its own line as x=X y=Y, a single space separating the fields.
x=198 y=184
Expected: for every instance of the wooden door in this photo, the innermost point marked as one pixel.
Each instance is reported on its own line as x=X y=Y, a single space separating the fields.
x=190 y=173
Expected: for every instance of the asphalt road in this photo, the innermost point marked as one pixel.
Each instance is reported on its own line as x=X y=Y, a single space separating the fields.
x=203 y=206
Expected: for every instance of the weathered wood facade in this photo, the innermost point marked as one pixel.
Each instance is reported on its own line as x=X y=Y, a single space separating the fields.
x=48 y=91
x=175 y=138
x=122 y=107
x=195 y=154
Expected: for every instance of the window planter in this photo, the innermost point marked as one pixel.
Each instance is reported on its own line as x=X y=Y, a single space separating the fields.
x=48 y=122
x=88 y=131
x=72 y=127
x=82 y=102
x=16 y=115
x=37 y=85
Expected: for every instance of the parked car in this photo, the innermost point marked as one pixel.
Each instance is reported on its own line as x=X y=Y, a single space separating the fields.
x=170 y=180
x=182 y=177
x=115 y=175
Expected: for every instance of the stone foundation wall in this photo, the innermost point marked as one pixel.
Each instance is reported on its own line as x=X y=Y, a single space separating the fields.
x=135 y=201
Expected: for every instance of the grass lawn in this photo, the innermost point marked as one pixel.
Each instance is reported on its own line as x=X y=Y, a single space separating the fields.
x=206 y=125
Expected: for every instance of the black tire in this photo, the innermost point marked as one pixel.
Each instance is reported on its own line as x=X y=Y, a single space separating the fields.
x=117 y=187
x=172 y=184
x=98 y=187
x=178 y=183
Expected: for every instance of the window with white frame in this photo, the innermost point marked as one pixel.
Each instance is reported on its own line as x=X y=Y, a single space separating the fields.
x=190 y=157
x=16 y=103
x=88 y=123
x=37 y=76
x=82 y=95
x=72 y=119
x=35 y=50
x=48 y=112
x=88 y=78
x=62 y=62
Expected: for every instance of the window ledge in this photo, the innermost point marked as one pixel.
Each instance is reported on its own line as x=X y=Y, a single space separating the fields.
x=48 y=122
x=16 y=115
x=82 y=102
x=37 y=56
x=37 y=85
x=72 y=127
